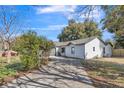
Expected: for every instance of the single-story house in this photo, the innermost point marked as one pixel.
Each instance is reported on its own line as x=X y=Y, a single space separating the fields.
x=87 y=48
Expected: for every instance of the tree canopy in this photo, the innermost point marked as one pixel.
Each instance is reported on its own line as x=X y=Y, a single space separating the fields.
x=114 y=23
x=79 y=30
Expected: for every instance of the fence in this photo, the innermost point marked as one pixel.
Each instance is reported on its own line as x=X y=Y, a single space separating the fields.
x=118 y=52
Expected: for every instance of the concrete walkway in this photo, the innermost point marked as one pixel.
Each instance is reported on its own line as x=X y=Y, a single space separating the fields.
x=60 y=73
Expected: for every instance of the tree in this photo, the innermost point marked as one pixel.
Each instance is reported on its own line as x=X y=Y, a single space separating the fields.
x=79 y=30
x=113 y=22
x=9 y=27
x=28 y=45
x=87 y=11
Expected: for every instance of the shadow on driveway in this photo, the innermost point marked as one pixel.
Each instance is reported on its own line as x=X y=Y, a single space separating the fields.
x=59 y=73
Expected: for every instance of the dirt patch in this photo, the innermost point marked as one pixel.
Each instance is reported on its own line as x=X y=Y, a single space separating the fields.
x=119 y=60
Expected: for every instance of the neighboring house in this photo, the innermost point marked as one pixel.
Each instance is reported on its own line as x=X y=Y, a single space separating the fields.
x=83 y=48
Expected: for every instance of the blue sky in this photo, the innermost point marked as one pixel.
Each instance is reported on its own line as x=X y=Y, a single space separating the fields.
x=48 y=21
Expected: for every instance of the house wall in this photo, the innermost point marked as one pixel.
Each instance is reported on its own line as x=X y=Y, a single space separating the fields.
x=79 y=51
x=56 y=51
x=89 y=53
x=108 y=50
x=86 y=51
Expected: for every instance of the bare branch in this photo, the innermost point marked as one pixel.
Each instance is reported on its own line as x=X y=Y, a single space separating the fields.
x=9 y=25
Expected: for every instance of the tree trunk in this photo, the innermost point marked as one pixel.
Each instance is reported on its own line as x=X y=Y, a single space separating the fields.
x=8 y=56
x=7 y=51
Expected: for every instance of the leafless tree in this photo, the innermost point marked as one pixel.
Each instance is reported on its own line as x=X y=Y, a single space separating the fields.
x=87 y=11
x=10 y=26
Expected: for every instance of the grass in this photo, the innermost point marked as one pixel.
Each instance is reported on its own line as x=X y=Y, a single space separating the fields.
x=13 y=59
x=119 y=60
x=105 y=74
x=10 y=69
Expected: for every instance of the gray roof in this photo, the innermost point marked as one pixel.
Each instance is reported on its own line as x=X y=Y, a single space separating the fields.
x=76 y=42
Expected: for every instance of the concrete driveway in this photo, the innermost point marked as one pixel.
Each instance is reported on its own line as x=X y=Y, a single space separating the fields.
x=59 y=73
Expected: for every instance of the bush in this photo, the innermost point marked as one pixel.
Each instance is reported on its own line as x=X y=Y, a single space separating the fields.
x=45 y=47
x=15 y=66
x=5 y=72
x=29 y=45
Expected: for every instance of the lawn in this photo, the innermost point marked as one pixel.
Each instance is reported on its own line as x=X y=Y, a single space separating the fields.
x=14 y=59
x=119 y=60
x=105 y=73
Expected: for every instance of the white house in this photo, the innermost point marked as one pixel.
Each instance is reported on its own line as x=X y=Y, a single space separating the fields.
x=87 y=48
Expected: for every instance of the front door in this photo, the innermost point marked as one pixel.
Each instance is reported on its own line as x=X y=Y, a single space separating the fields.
x=63 y=51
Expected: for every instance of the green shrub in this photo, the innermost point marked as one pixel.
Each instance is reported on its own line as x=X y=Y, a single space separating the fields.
x=29 y=45
x=5 y=72
x=15 y=66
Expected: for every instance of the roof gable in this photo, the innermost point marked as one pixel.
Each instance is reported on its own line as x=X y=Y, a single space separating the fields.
x=108 y=43
x=99 y=40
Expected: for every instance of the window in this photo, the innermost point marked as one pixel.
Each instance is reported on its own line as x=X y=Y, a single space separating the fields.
x=72 y=50
x=63 y=50
x=93 y=48
x=104 y=50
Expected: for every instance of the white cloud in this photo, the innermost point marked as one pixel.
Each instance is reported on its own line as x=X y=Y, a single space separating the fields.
x=67 y=10
x=55 y=8
x=50 y=27
x=69 y=15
